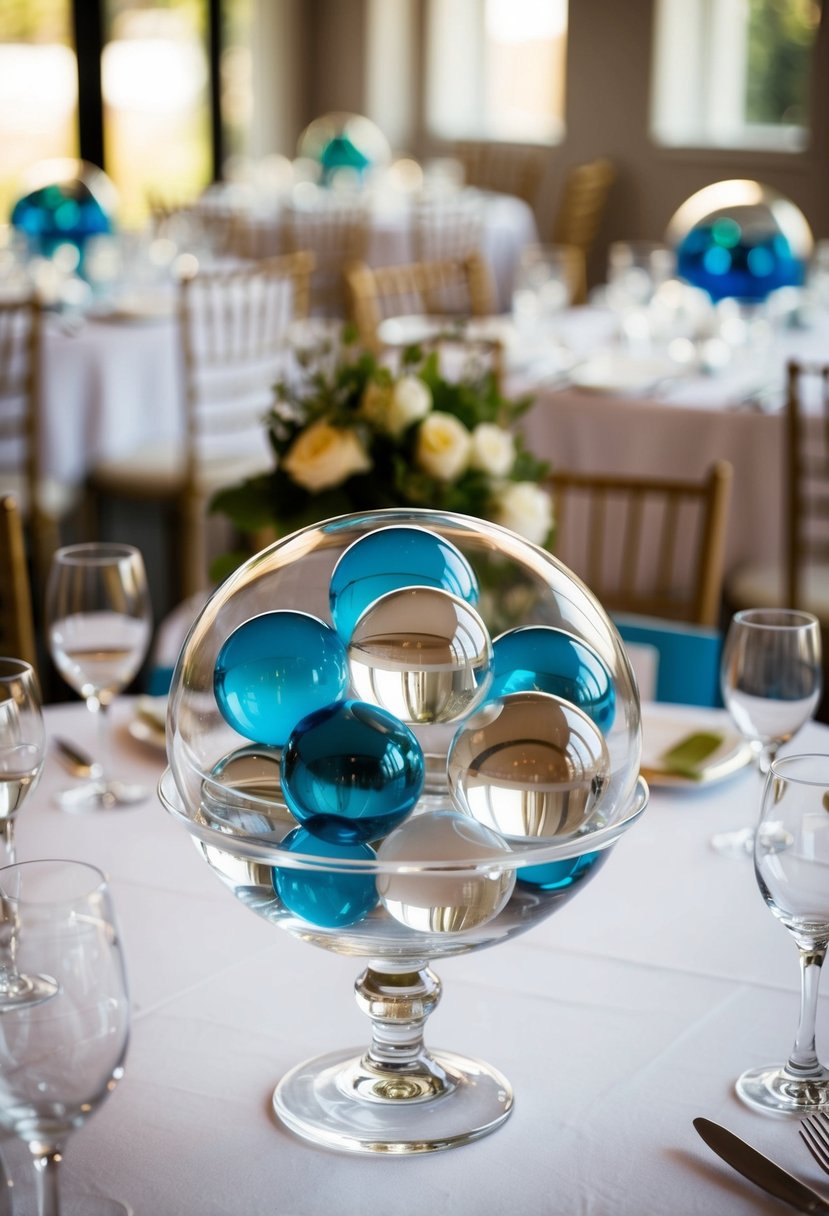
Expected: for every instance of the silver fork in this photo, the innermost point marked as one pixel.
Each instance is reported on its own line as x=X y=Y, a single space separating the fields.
x=814 y=1132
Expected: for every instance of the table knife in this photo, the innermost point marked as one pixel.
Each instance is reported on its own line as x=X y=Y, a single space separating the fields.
x=760 y=1170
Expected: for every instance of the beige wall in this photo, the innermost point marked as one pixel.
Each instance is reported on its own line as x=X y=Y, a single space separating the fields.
x=608 y=83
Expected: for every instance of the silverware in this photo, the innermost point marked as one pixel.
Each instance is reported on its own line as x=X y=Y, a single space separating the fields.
x=814 y=1132
x=760 y=1170
x=77 y=761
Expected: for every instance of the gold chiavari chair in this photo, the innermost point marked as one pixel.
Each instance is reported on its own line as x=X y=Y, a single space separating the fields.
x=509 y=168
x=580 y=211
x=336 y=232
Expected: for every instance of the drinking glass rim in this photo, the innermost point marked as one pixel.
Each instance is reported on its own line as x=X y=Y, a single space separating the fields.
x=780 y=763
x=797 y=616
x=99 y=885
x=16 y=667
x=102 y=551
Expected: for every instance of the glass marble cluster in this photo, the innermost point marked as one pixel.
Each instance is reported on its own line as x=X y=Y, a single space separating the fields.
x=341 y=141
x=740 y=239
x=333 y=767
x=64 y=202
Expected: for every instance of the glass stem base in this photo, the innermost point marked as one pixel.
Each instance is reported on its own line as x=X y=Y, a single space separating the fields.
x=776 y=1090
x=396 y=1097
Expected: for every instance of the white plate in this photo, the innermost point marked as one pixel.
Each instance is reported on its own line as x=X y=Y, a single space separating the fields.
x=662 y=730
x=618 y=373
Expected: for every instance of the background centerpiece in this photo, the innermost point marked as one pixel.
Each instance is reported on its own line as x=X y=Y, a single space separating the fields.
x=352 y=431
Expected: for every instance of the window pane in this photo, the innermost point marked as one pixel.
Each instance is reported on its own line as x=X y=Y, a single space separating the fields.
x=733 y=73
x=237 y=77
x=38 y=90
x=508 y=83
x=154 y=76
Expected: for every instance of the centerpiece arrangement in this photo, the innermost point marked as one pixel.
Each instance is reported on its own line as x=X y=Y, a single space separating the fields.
x=352 y=432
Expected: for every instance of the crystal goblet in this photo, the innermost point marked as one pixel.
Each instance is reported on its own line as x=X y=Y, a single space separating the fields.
x=393 y=863
x=790 y=861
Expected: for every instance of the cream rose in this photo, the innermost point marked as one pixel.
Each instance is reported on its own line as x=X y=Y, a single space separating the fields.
x=442 y=447
x=324 y=456
x=527 y=509
x=492 y=450
x=374 y=403
x=410 y=401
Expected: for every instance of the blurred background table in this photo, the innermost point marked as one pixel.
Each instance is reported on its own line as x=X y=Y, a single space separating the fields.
x=617 y=1021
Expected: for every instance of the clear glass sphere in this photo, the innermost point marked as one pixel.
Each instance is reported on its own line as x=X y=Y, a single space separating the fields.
x=741 y=239
x=343 y=141
x=228 y=790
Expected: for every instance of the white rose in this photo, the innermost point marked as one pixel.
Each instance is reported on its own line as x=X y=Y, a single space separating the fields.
x=442 y=448
x=325 y=455
x=527 y=509
x=410 y=401
x=493 y=449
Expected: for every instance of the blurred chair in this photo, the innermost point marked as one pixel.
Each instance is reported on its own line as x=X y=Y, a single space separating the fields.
x=192 y=226
x=234 y=328
x=447 y=225
x=508 y=168
x=580 y=211
x=452 y=286
x=336 y=232
x=42 y=503
x=17 y=632
x=683 y=660
x=646 y=545
x=801 y=579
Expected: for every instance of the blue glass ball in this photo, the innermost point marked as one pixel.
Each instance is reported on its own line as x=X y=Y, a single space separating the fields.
x=562 y=875
x=274 y=670
x=390 y=559
x=351 y=772
x=67 y=201
x=326 y=898
x=540 y=658
x=740 y=239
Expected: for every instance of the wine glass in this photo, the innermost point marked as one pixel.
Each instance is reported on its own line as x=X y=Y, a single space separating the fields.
x=60 y=1059
x=790 y=861
x=22 y=745
x=771 y=681
x=99 y=623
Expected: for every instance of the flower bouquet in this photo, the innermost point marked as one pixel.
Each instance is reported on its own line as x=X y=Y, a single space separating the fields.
x=350 y=432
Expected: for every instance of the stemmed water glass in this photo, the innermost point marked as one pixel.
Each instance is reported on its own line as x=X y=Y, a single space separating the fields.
x=22 y=745
x=61 y=1058
x=790 y=860
x=99 y=622
x=771 y=680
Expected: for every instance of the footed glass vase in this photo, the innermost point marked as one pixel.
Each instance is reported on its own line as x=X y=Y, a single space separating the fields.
x=365 y=761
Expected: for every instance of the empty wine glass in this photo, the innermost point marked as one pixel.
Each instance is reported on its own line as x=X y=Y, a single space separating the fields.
x=790 y=861
x=771 y=680
x=60 y=1059
x=99 y=622
x=22 y=745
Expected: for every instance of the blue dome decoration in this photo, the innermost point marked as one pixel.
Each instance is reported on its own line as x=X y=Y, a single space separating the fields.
x=740 y=239
x=65 y=202
x=340 y=141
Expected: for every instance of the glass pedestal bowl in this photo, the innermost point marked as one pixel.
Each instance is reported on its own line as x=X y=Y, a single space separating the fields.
x=402 y=736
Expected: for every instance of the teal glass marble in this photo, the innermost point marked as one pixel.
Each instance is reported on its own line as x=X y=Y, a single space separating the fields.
x=69 y=201
x=274 y=670
x=562 y=875
x=351 y=772
x=540 y=658
x=390 y=559
x=325 y=897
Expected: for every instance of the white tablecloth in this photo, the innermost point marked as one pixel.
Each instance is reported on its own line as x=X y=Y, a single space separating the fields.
x=617 y=1020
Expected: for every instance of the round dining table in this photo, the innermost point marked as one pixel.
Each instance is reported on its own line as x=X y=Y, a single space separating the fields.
x=618 y=1020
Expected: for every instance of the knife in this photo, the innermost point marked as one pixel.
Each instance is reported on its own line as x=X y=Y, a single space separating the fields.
x=759 y=1169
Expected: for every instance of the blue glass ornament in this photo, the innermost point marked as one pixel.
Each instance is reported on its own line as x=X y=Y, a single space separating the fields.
x=274 y=670
x=351 y=772
x=422 y=654
x=540 y=658
x=68 y=202
x=330 y=898
x=562 y=875
x=390 y=559
x=740 y=239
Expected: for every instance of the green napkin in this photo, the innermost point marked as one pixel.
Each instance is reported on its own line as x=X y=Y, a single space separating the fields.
x=686 y=757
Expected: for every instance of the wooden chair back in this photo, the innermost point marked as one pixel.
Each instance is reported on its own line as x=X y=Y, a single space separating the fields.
x=459 y=286
x=17 y=633
x=447 y=226
x=807 y=479
x=508 y=168
x=624 y=536
x=581 y=209
x=336 y=233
